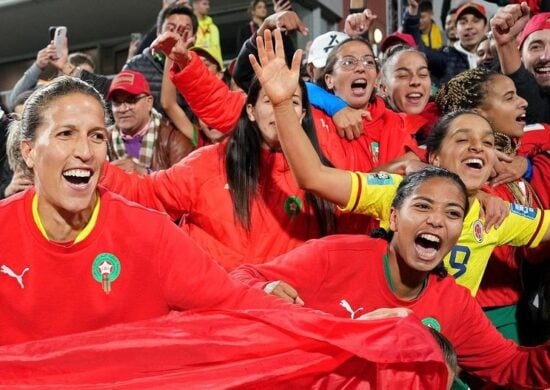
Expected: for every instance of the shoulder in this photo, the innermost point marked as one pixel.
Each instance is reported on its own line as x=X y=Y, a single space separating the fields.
x=121 y=206
x=13 y=201
x=350 y=242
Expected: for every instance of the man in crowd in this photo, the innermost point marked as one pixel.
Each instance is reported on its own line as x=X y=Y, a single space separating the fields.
x=523 y=48
x=142 y=140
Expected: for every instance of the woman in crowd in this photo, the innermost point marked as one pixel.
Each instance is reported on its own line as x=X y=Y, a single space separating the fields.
x=349 y=274
x=494 y=96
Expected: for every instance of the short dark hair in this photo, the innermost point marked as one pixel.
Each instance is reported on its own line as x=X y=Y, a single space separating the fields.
x=177 y=10
x=425 y=6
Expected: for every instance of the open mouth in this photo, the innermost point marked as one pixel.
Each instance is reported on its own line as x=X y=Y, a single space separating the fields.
x=427 y=245
x=78 y=176
x=474 y=163
x=543 y=70
x=522 y=118
x=359 y=86
x=415 y=96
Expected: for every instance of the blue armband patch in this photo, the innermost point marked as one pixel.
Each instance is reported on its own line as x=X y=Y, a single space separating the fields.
x=524 y=211
x=379 y=179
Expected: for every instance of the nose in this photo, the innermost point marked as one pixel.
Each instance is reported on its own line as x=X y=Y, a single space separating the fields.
x=82 y=149
x=522 y=103
x=414 y=80
x=475 y=145
x=546 y=53
x=435 y=218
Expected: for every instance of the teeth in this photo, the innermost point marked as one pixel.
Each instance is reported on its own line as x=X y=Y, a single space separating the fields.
x=430 y=237
x=543 y=70
x=77 y=173
x=474 y=161
x=414 y=95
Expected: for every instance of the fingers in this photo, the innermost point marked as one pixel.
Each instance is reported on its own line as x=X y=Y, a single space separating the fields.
x=296 y=60
x=284 y=291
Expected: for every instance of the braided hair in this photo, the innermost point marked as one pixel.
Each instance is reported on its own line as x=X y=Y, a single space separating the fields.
x=465 y=91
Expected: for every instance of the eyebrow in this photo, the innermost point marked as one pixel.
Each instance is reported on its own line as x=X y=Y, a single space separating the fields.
x=404 y=68
x=487 y=132
x=430 y=200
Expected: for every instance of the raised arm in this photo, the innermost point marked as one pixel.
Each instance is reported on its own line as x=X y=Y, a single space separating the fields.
x=209 y=98
x=280 y=84
x=171 y=107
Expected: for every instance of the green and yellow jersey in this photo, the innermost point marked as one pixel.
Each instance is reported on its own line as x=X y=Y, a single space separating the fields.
x=373 y=193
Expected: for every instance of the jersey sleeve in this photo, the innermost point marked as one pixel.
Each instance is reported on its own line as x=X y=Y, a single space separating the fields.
x=484 y=352
x=372 y=194
x=524 y=226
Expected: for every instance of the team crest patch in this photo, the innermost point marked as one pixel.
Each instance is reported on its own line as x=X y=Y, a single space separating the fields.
x=432 y=323
x=379 y=179
x=375 y=149
x=105 y=270
x=524 y=211
x=478 y=230
x=293 y=206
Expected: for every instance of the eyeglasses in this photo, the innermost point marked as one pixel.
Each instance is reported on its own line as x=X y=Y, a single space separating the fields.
x=130 y=101
x=350 y=62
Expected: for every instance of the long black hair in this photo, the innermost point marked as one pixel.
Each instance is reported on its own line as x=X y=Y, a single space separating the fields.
x=242 y=164
x=406 y=188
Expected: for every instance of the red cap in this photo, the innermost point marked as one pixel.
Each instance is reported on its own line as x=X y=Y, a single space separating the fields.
x=471 y=8
x=395 y=39
x=536 y=23
x=129 y=81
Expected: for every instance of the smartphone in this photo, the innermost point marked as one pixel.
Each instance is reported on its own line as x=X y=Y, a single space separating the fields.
x=59 y=36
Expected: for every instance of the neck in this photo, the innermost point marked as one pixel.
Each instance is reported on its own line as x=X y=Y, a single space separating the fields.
x=61 y=225
x=257 y=20
x=505 y=144
x=407 y=282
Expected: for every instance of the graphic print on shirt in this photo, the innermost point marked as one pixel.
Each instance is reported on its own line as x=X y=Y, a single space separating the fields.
x=106 y=269
x=348 y=308
x=293 y=206
x=8 y=271
x=478 y=231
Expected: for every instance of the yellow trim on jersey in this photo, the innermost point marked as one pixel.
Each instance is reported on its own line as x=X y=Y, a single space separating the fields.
x=83 y=233
x=468 y=259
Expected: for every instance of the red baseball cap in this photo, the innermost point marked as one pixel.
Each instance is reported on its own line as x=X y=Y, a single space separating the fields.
x=395 y=39
x=536 y=23
x=129 y=81
x=471 y=8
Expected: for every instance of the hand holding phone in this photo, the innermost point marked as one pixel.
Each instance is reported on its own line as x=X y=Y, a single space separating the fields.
x=58 y=38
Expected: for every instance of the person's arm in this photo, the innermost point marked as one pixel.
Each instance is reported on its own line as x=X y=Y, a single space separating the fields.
x=324 y=100
x=209 y=98
x=169 y=190
x=279 y=83
x=483 y=351
x=506 y=25
x=171 y=107
x=32 y=74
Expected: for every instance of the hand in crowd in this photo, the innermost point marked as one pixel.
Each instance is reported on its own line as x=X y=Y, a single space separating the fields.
x=509 y=21
x=174 y=47
x=128 y=164
x=509 y=170
x=284 y=291
x=349 y=122
x=282 y=5
x=62 y=63
x=494 y=210
x=45 y=56
x=20 y=181
x=383 y=312
x=412 y=7
x=359 y=23
x=285 y=21
x=278 y=81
